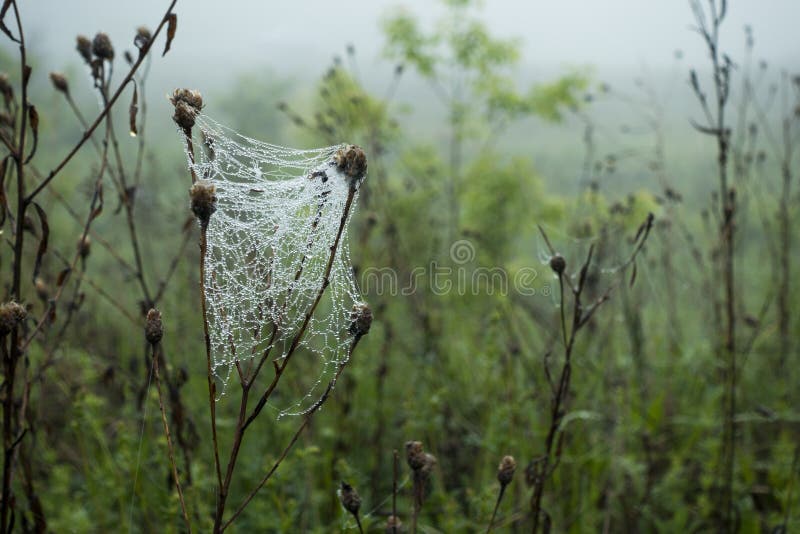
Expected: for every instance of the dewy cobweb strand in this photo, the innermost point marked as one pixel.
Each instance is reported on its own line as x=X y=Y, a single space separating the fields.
x=278 y=215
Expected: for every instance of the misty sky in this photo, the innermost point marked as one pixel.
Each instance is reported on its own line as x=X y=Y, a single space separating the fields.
x=301 y=36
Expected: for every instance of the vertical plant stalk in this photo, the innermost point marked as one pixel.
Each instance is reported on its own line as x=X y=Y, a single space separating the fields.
x=542 y=468
x=716 y=126
x=306 y=420
x=14 y=353
x=170 y=449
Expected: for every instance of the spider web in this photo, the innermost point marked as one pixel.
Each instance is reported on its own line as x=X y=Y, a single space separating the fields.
x=279 y=211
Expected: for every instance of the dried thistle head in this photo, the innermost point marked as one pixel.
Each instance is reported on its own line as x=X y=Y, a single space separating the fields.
x=352 y=161
x=102 y=47
x=84 y=47
x=361 y=319
x=190 y=96
x=505 y=471
x=143 y=37
x=394 y=525
x=42 y=291
x=349 y=498
x=59 y=82
x=6 y=89
x=153 y=328
x=11 y=315
x=415 y=455
x=204 y=200
x=84 y=246
x=188 y=104
x=558 y=264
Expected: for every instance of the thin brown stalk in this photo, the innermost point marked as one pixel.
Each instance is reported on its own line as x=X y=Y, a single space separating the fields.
x=170 y=449
x=306 y=420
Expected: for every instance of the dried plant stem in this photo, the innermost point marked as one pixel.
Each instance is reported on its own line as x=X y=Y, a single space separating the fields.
x=496 y=507
x=212 y=387
x=106 y=110
x=170 y=449
x=395 y=461
x=10 y=360
x=306 y=420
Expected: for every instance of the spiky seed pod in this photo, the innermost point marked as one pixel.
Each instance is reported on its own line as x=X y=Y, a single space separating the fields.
x=349 y=498
x=352 y=161
x=102 y=47
x=153 y=328
x=11 y=315
x=84 y=246
x=59 y=82
x=142 y=38
x=415 y=455
x=505 y=471
x=558 y=264
x=204 y=200
x=84 y=47
x=361 y=319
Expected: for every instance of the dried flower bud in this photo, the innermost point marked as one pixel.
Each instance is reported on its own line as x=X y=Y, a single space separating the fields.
x=349 y=498
x=188 y=103
x=394 y=525
x=352 y=161
x=184 y=116
x=42 y=291
x=142 y=38
x=84 y=48
x=59 y=82
x=415 y=455
x=204 y=200
x=102 y=47
x=6 y=89
x=153 y=329
x=84 y=246
x=505 y=471
x=11 y=314
x=558 y=264
x=190 y=96
x=361 y=319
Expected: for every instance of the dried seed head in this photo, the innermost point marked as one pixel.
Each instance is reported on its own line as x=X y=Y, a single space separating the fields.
x=188 y=103
x=505 y=471
x=59 y=82
x=558 y=264
x=349 y=498
x=42 y=291
x=11 y=314
x=142 y=38
x=84 y=246
x=153 y=329
x=394 y=525
x=190 y=96
x=361 y=319
x=352 y=161
x=184 y=116
x=102 y=47
x=204 y=200
x=84 y=48
x=415 y=455
x=6 y=89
